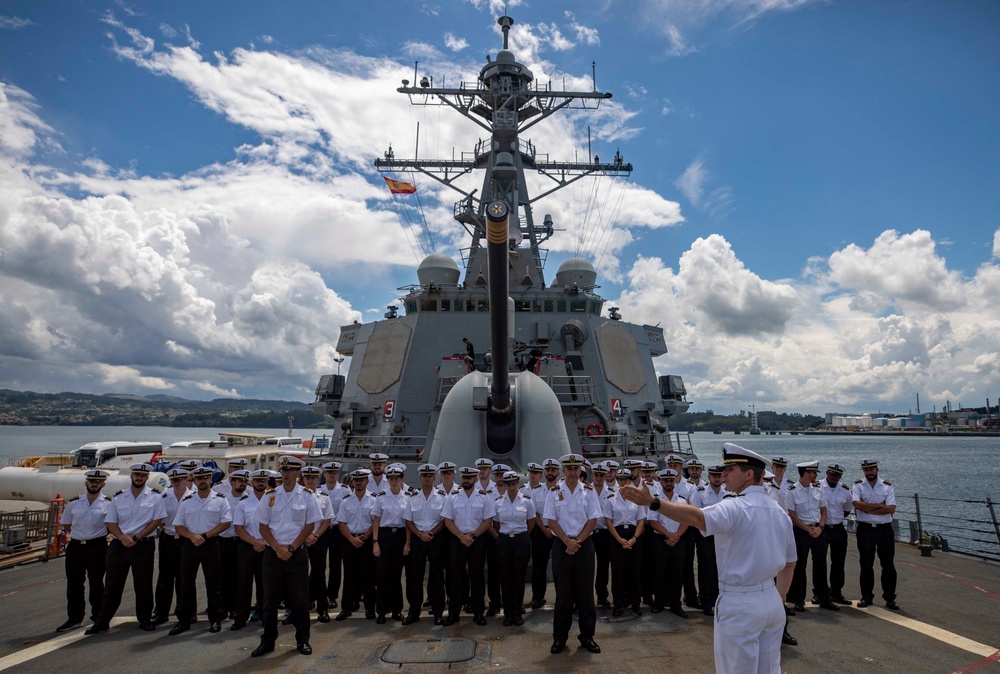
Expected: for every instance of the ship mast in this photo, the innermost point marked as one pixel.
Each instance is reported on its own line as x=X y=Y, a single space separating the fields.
x=505 y=101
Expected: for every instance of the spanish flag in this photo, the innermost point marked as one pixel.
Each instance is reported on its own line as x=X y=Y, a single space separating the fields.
x=399 y=187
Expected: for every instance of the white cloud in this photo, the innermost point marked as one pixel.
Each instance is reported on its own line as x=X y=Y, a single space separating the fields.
x=212 y=388
x=130 y=378
x=496 y=7
x=455 y=43
x=996 y=244
x=691 y=182
x=13 y=22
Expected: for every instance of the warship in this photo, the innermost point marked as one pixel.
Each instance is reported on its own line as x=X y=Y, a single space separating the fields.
x=559 y=375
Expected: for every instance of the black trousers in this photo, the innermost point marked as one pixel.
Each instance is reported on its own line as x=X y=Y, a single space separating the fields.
x=602 y=551
x=430 y=556
x=493 y=573
x=669 y=564
x=85 y=563
x=836 y=538
x=513 y=553
x=168 y=575
x=391 y=541
x=318 y=591
x=120 y=560
x=541 y=550
x=359 y=576
x=804 y=545
x=691 y=537
x=649 y=570
x=286 y=580
x=626 y=569
x=206 y=556
x=229 y=551
x=250 y=572
x=708 y=570
x=877 y=539
x=335 y=557
x=468 y=585
x=573 y=576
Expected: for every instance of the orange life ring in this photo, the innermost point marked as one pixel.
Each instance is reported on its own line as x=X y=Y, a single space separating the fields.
x=595 y=431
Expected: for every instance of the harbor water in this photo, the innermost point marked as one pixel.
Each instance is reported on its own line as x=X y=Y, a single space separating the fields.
x=953 y=475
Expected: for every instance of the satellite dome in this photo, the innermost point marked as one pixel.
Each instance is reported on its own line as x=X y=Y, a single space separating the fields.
x=578 y=271
x=438 y=269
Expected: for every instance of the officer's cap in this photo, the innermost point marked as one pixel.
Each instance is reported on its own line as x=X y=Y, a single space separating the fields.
x=188 y=464
x=511 y=477
x=500 y=468
x=535 y=467
x=667 y=474
x=261 y=474
x=869 y=463
x=647 y=465
x=623 y=476
x=611 y=465
x=835 y=468
x=97 y=474
x=176 y=473
x=808 y=465
x=570 y=460
x=202 y=471
x=694 y=463
x=550 y=463
x=736 y=455
x=378 y=457
x=779 y=461
x=600 y=469
x=289 y=461
x=673 y=458
x=395 y=470
x=484 y=463
x=311 y=471
x=239 y=461
x=333 y=466
x=427 y=469
x=275 y=474
x=141 y=469
x=242 y=473
x=360 y=474
x=632 y=463
x=468 y=471
x=446 y=467
x=715 y=470
x=768 y=475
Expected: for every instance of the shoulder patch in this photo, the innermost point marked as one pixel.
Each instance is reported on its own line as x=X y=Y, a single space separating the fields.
x=731 y=494
x=588 y=486
x=155 y=490
x=791 y=487
x=188 y=497
x=75 y=498
x=381 y=493
x=268 y=491
x=107 y=497
x=120 y=491
x=556 y=488
x=219 y=493
x=244 y=497
x=165 y=495
x=483 y=492
x=309 y=490
x=440 y=491
x=846 y=487
x=348 y=494
x=887 y=482
x=701 y=489
x=858 y=481
x=815 y=484
x=498 y=498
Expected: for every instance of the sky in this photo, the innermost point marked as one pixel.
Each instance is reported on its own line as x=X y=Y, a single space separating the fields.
x=188 y=203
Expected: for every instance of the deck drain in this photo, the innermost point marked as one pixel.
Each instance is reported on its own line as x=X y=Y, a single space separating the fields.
x=429 y=651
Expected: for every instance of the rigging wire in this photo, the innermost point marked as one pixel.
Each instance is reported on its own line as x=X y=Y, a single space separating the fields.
x=614 y=223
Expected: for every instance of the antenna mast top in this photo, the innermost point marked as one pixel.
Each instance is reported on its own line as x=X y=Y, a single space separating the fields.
x=505 y=23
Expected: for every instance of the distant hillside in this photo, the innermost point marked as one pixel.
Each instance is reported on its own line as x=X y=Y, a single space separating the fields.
x=767 y=420
x=115 y=409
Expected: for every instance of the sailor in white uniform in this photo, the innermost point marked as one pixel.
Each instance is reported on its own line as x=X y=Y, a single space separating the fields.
x=86 y=552
x=875 y=503
x=838 y=506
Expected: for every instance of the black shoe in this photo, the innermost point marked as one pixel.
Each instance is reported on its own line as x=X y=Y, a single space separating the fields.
x=616 y=612
x=380 y=620
x=656 y=609
x=492 y=611
x=800 y=607
x=263 y=649
x=789 y=640
x=479 y=619
x=179 y=628
x=557 y=647
x=693 y=603
x=507 y=621
x=159 y=620
x=467 y=608
x=678 y=611
x=343 y=615
x=537 y=604
x=68 y=625
x=864 y=603
x=287 y=620
x=410 y=619
x=892 y=605
x=789 y=611
x=604 y=602
x=518 y=621
x=194 y=619
x=323 y=616
x=841 y=599
x=829 y=605
x=710 y=612
x=397 y=616
x=238 y=625
x=369 y=615
x=215 y=627
x=637 y=612
x=450 y=620
x=95 y=628
x=590 y=644
x=304 y=648
x=815 y=601
x=426 y=604
x=438 y=620
x=356 y=606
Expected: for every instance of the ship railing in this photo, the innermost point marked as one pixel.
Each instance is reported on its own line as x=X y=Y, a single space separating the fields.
x=969 y=526
x=352 y=447
x=31 y=525
x=644 y=446
x=575 y=391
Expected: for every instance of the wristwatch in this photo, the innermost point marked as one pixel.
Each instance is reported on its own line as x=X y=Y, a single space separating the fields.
x=291 y=549
x=655 y=505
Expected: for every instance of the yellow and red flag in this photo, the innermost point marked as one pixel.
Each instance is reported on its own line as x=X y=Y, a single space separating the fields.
x=399 y=187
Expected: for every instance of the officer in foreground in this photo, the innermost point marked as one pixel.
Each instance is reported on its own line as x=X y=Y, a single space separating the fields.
x=83 y=520
x=875 y=504
x=754 y=544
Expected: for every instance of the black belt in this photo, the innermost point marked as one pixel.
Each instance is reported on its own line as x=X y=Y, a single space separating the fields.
x=391 y=530
x=833 y=526
x=625 y=526
x=872 y=524
x=519 y=533
x=84 y=541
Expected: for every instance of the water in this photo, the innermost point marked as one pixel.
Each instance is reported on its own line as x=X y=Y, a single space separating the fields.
x=944 y=471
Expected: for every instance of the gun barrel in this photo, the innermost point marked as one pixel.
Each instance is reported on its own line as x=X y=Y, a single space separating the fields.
x=497 y=227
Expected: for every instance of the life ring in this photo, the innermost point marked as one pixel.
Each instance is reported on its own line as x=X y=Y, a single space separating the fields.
x=595 y=431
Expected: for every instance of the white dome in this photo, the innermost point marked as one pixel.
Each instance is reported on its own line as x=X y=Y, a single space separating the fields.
x=576 y=270
x=438 y=269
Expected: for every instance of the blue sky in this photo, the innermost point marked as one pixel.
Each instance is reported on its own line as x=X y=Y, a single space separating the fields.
x=188 y=204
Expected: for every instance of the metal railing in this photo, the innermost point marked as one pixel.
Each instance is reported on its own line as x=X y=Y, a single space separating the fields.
x=400 y=448
x=969 y=526
x=635 y=446
x=35 y=523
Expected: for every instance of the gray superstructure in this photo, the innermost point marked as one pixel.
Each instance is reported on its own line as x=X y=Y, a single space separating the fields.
x=578 y=380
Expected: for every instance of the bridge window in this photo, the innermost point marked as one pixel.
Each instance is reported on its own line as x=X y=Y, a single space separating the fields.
x=536 y=306
x=411 y=307
x=561 y=307
x=522 y=306
x=549 y=306
x=595 y=308
x=483 y=306
x=578 y=306
x=445 y=305
x=428 y=305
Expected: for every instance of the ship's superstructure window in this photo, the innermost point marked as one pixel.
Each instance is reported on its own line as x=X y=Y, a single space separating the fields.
x=595 y=308
x=411 y=307
x=561 y=307
x=428 y=305
x=483 y=306
x=549 y=306
x=578 y=306
x=522 y=305
x=445 y=305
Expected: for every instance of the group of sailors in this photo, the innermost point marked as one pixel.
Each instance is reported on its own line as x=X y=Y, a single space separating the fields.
x=265 y=539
